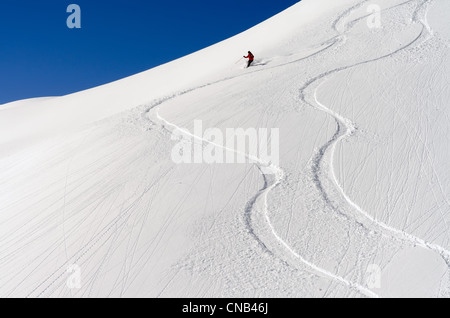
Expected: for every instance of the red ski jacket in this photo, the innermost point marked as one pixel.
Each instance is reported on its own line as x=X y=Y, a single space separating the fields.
x=251 y=57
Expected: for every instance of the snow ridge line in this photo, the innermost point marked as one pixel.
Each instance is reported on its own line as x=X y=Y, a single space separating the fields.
x=350 y=129
x=279 y=175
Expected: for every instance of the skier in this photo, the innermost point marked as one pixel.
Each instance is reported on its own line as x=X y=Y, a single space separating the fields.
x=250 y=58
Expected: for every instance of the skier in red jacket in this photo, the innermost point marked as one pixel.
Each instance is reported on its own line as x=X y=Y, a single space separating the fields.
x=250 y=58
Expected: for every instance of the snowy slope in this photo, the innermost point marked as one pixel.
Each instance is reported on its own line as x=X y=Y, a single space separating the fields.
x=358 y=205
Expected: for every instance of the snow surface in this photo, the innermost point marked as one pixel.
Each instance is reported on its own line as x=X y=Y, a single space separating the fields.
x=359 y=205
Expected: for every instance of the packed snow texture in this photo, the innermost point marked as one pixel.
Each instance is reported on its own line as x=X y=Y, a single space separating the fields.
x=359 y=205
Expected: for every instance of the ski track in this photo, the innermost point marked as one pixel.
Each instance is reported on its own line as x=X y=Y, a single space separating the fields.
x=279 y=175
x=350 y=129
x=331 y=145
x=275 y=170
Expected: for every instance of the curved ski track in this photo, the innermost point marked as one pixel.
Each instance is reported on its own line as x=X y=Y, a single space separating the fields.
x=45 y=285
x=350 y=129
x=279 y=175
x=331 y=146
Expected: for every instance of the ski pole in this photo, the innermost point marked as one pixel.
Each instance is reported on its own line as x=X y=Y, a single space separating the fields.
x=238 y=60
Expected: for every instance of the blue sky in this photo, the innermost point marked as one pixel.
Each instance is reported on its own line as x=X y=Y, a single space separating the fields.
x=41 y=56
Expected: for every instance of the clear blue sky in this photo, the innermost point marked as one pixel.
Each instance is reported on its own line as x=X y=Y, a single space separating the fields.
x=41 y=56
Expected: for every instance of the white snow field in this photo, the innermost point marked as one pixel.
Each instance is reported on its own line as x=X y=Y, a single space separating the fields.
x=92 y=204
